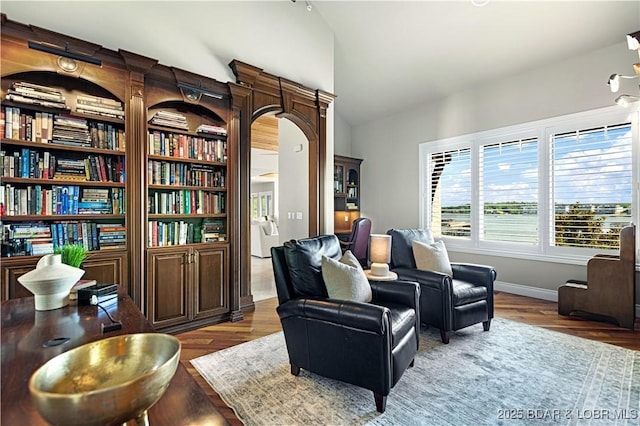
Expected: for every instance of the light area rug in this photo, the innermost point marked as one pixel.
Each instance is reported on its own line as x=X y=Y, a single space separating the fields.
x=513 y=374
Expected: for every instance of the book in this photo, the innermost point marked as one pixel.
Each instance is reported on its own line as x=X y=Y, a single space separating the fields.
x=73 y=294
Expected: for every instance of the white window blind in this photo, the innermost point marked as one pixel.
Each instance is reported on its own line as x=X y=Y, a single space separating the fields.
x=508 y=191
x=450 y=185
x=591 y=193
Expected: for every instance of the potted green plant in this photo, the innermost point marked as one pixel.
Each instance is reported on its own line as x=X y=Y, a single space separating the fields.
x=72 y=254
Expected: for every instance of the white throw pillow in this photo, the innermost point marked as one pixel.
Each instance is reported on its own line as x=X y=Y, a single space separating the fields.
x=432 y=257
x=345 y=279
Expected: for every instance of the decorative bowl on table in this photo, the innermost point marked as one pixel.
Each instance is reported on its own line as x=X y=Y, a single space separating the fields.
x=51 y=282
x=106 y=382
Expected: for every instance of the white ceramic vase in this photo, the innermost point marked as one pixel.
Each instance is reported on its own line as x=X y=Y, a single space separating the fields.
x=51 y=282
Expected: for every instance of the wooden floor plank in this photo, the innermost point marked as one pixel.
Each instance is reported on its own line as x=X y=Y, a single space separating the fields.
x=264 y=321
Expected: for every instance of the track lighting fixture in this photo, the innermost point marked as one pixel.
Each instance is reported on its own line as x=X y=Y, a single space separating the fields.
x=614 y=81
x=633 y=40
x=626 y=99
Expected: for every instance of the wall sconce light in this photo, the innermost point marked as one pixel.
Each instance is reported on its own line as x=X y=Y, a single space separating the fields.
x=380 y=254
x=626 y=99
x=193 y=92
x=614 y=81
x=65 y=52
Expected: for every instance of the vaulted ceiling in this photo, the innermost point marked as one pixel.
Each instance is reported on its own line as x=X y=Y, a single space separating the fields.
x=390 y=55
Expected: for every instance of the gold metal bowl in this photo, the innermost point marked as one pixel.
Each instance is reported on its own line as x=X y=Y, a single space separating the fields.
x=106 y=382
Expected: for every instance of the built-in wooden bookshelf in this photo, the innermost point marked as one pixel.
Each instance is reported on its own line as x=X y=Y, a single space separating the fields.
x=346 y=193
x=187 y=191
x=62 y=163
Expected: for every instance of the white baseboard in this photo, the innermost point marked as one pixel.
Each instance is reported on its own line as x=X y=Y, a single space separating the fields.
x=535 y=292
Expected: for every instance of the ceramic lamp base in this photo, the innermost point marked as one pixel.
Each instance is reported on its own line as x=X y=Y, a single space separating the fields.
x=380 y=269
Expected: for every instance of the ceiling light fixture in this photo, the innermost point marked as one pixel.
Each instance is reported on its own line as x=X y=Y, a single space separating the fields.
x=626 y=99
x=633 y=40
x=614 y=81
x=56 y=50
x=309 y=7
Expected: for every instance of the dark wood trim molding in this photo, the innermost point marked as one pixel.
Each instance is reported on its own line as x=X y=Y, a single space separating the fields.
x=306 y=108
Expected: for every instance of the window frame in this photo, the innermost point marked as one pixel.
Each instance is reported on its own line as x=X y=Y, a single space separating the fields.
x=543 y=130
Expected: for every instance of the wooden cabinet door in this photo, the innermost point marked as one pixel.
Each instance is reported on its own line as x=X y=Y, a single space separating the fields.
x=11 y=271
x=106 y=268
x=168 y=286
x=210 y=281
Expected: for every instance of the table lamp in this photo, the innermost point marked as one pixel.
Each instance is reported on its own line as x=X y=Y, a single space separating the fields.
x=380 y=254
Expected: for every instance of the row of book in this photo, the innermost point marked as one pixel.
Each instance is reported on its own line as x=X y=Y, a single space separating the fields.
x=186 y=202
x=35 y=164
x=60 y=129
x=37 y=238
x=173 y=233
x=60 y=200
x=183 y=146
x=184 y=174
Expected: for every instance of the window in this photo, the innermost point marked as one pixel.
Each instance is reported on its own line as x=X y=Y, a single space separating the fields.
x=450 y=209
x=592 y=185
x=509 y=191
x=558 y=188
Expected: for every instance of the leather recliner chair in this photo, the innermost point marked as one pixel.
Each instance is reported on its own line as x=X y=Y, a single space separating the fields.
x=448 y=303
x=365 y=344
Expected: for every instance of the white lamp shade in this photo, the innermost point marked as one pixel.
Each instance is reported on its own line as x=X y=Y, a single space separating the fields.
x=380 y=248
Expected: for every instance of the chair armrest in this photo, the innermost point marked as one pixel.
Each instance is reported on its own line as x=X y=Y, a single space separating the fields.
x=401 y=292
x=432 y=279
x=474 y=274
x=361 y=316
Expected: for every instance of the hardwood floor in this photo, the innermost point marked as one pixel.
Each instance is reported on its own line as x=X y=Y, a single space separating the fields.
x=264 y=321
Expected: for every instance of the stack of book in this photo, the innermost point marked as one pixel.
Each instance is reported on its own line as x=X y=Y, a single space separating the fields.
x=95 y=201
x=112 y=236
x=70 y=130
x=213 y=230
x=99 y=106
x=30 y=239
x=212 y=130
x=35 y=94
x=170 y=119
x=70 y=169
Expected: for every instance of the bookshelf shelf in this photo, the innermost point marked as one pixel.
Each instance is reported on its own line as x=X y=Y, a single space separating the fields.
x=56 y=147
x=33 y=181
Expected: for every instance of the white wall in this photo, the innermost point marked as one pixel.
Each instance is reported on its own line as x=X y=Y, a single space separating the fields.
x=293 y=182
x=389 y=188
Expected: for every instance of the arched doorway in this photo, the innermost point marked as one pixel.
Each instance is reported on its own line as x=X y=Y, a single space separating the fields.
x=257 y=93
x=278 y=199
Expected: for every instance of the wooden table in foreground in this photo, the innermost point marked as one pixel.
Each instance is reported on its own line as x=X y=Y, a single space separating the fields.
x=25 y=331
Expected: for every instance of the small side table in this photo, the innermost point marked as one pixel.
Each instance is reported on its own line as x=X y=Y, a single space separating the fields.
x=391 y=276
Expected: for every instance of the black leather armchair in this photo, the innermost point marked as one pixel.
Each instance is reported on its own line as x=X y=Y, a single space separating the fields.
x=445 y=302
x=365 y=344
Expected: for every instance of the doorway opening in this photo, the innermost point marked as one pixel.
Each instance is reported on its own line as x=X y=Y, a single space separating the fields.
x=279 y=195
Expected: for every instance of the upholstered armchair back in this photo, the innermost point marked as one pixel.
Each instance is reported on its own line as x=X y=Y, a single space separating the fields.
x=297 y=266
x=401 y=249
